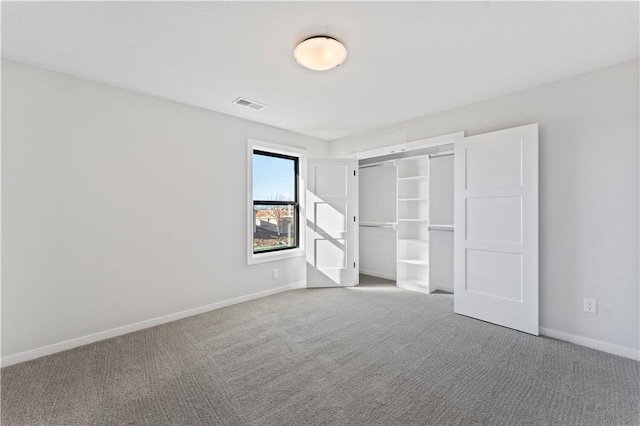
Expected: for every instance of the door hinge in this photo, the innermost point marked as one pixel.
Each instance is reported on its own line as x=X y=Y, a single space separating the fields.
x=354 y=218
x=354 y=264
x=354 y=172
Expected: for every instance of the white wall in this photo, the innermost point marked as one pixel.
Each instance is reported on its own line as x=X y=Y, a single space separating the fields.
x=378 y=252
x=120 y=207
x=588 y=192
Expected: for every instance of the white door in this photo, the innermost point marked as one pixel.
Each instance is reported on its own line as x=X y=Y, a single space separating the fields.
x=496 y=228
x=332 y=222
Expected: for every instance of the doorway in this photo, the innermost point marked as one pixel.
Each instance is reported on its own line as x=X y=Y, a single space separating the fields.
x=495 y=211
x=406 y=218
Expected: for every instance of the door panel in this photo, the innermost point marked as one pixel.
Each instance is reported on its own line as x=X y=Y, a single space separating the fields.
x=330 y=254
x=494 y=273
x=330 y=180
x=496 y=228
x=494 y=219
x=332 y=227
x=497 y=164
x=331 y=217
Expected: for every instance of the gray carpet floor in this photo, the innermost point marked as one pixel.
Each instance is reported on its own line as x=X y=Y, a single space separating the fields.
x=372 y=355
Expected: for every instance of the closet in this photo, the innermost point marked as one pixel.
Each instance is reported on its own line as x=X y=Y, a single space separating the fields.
x=406 y=219
x=408 y=204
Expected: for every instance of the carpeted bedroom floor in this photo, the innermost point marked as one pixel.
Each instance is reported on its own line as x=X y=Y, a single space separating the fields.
x=371 y=355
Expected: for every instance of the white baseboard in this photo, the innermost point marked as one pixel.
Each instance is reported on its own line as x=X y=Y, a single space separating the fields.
x=125 y=329
x=592 y=343
x=378 y=274
x=412 y=287
x=442 y=287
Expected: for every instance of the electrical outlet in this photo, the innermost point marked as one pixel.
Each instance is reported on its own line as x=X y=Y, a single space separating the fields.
x=591 y=306
x=274 y=273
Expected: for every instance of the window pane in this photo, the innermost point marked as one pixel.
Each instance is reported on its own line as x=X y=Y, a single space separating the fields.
x=274 y=227
x=273 y=178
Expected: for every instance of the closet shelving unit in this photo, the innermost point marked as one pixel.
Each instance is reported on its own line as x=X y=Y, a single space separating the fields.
x=413 y=223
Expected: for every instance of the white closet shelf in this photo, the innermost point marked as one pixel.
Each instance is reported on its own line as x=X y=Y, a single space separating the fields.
x=424 y=285
x=413 y=240
x=419 y=177
x=414 y=262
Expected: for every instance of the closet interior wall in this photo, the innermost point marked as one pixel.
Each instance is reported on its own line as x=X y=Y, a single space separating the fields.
x=441 y=223
x=378 y=217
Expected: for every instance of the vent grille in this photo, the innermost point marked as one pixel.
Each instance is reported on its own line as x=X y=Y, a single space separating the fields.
x=249 y=104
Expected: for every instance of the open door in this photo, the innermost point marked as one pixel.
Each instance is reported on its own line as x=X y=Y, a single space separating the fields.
x=496 y=228
x=332 y=222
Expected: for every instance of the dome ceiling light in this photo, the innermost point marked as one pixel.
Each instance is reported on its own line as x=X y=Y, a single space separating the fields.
x=320 y=53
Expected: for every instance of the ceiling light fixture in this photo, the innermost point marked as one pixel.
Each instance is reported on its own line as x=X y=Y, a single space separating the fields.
x=320 y=53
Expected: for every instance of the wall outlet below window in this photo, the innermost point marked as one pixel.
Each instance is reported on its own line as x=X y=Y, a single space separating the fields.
x=274 y=273
x=591 y=306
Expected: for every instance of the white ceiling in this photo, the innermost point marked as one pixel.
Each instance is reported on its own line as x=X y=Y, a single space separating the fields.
x=405 y=59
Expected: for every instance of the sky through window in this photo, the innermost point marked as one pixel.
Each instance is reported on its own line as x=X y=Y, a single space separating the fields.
x=273 y=178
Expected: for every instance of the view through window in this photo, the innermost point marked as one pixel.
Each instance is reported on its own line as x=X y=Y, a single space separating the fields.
x=275 y=202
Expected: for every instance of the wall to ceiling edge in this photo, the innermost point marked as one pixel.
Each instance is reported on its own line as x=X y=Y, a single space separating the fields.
x=589 y=191
x=121 y=211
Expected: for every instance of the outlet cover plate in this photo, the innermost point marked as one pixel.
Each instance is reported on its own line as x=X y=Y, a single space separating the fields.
x=590 y=306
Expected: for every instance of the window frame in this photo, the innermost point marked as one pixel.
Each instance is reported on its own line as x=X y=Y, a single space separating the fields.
x=295 y=203
x=281 y=151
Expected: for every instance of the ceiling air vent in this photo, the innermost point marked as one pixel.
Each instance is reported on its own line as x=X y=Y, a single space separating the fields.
x=249 y=104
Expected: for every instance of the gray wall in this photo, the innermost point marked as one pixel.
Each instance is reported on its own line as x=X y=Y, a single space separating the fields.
x=588 y=191
x=119 y=208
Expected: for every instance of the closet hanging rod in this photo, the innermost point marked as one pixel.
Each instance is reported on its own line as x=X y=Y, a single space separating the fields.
x=441 y=228
x=384 y=163
x=441 y=154
x=378 y=225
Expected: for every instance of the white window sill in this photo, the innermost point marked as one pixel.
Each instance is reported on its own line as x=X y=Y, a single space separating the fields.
x=274 y=256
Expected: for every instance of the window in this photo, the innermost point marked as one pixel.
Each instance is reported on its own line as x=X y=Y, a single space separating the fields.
x=275 y=202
